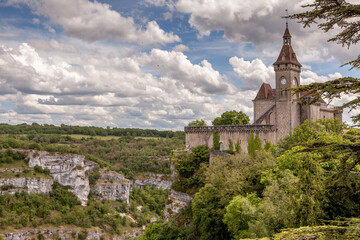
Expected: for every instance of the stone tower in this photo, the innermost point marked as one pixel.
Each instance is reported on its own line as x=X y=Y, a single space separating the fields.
x=287 y=75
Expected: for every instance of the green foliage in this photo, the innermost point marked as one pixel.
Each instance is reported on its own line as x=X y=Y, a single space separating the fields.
x=311 y=131
x=35 y=129
x=231 y=145
x=7 y=187
x=166 y=230
x=94 y=175
x=127 y=154
x=10 y=156
x=152 y=198
x=225 y=179
x=189 y=169
x=267 y=146
x=40 y=236
x=339 y=15
x=254 y=144
x=216 y=140
x=232 y=118
x=238 y=147
x=197 y=123
x=239 y=213
x=39 y=169
x=345 y=230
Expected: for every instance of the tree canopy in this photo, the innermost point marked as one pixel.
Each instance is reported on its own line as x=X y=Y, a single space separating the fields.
x=197 y=123
x=232 y=118
x=341 y=15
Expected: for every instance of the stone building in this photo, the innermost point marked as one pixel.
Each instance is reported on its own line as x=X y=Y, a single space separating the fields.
x=276 y=111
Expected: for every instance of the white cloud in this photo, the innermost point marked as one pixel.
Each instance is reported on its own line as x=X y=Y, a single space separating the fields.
x=308 y=77
x=252 y=73
x=92 y=21
x=181 y=48
x=52 y=45
x=207 y=16
x=200 y=79
x=113 y=91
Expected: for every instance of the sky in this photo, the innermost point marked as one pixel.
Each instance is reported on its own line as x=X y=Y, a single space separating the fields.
x=150 y=63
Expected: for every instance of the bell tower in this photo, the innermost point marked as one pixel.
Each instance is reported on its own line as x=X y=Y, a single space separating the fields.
x=287 y=75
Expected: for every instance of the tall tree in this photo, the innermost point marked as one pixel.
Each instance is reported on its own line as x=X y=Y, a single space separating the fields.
x=197 y=123
x=341 y=15
x=232 y=118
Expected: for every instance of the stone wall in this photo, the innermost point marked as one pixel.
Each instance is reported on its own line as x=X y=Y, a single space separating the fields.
x=196 y=136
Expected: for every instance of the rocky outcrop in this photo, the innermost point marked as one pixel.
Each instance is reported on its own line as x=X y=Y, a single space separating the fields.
x=36 y=185
x=112 y=186
x=175 y=203
x=60 y=233
x=162 y=181
x=68 y=170
x=65 y=234
x=13 y=170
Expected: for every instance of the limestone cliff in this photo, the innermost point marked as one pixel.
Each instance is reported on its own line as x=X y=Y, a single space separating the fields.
x=67 y=233
x=68 y=170
x=112 y=186
x=36 y=185
x=175 y=203
x=162 y=181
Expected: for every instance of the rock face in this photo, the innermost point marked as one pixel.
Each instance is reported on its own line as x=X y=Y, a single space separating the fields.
x=68 y=170
x=112 y=186
x=60 y=233
x=36 y=185
x=157 y=180
x=65 y=234
x=175 y=203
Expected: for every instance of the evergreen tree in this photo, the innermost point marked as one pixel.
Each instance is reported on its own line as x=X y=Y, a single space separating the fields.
x=216 y=141
x=339 y=15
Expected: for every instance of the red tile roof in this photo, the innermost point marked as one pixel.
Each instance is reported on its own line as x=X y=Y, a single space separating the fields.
x=287 y=55
x=266 y=92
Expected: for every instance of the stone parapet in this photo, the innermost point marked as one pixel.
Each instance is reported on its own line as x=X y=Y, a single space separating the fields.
x=231 y=128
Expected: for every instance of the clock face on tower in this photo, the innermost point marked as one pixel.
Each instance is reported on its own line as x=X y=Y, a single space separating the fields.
x=283 y=81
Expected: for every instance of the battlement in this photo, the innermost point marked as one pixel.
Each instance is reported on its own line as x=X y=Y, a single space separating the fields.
x=232 y=128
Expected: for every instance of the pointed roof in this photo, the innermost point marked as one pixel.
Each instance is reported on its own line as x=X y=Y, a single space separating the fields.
x=287 y=54
x=266 y=92
x=287 y=32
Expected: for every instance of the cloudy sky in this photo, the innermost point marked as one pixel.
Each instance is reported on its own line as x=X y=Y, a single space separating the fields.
x=149 y=63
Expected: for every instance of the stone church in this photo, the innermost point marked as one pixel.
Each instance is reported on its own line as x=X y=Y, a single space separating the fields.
x=276 y=112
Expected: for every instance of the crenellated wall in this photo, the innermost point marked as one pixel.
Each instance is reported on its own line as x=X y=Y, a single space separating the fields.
x=196 y=136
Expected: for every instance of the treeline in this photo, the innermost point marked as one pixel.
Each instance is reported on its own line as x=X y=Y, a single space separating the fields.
x=91 y=131
x=129 y=155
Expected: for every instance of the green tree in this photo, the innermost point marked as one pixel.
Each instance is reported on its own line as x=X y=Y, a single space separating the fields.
x=216 y=140
x=232 y=118
x=197 y=123
x=231 y=145
x=225 y=179
x=238 y=147
x=338 y=15
x=254 y=144
x=239 y=213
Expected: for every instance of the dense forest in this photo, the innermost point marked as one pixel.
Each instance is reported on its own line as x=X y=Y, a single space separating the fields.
x=305 y=187
x=91 y=131
x=131 y=153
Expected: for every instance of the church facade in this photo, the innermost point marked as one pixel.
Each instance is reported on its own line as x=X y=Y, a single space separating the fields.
x=276 y=111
